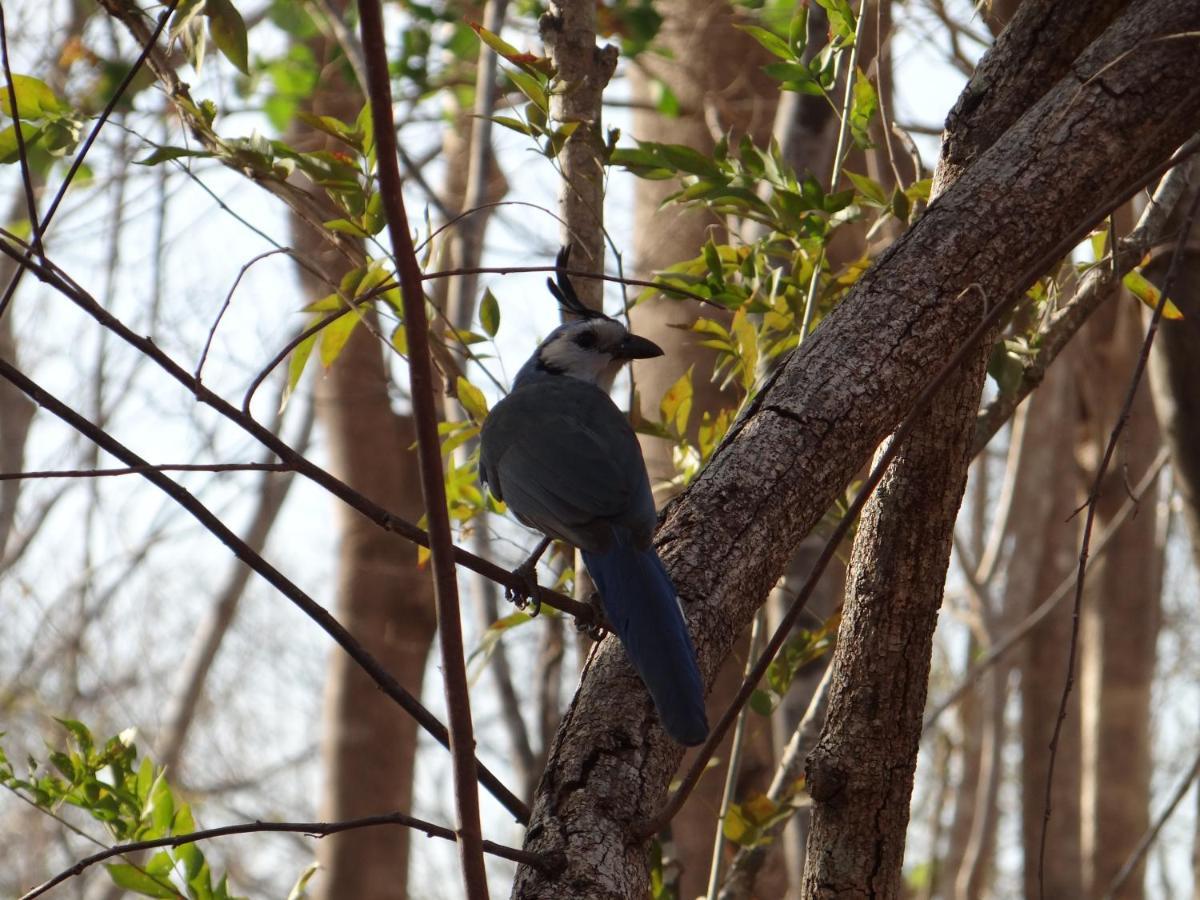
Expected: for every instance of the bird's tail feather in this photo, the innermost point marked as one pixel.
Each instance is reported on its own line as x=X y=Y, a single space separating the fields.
x=640 y=602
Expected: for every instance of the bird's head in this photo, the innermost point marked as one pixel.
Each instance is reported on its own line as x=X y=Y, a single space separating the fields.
x=592 y=347
x=592 y=350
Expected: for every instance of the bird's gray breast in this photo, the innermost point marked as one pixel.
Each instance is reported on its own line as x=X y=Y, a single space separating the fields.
x=565 y=460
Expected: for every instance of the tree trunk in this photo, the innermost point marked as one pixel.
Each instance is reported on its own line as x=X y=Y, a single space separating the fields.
x=1121 y=612
x=1094 y=138
x=368 y=746
x=1044 y=552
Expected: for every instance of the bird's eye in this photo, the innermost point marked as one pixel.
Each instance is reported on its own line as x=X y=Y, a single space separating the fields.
x=586 y=339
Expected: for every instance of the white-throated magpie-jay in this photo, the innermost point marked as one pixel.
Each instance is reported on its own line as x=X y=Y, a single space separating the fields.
x=566 y=461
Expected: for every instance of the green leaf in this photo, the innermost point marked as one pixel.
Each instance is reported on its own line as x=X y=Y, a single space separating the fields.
x=494 y=41
x=770 y=41
x=299 y=889
x=761 y=703
x=871 y=190
x=737 y=828
x=192 y=859
x=335 y=128
x=296 y=366
x=513 y=124
x=134 y=879
x=841 y=19
x=163 y=154
x=10 y=152
x=531 y=88
x=863 y=105
x=665 y=100
x=688 y=160
x=472 y=399
x=478 y=658
x=345 y=226
x=35 y=99
x=228 y=31
x=489 y=313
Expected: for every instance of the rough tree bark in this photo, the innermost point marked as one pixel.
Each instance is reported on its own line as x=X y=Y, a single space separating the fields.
x=860 y=774
x=368 y=747
x=709 y=79
x=569 y=32
x=1094 y=138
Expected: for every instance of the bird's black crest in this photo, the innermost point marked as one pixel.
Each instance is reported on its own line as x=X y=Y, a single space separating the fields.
x=564 y=291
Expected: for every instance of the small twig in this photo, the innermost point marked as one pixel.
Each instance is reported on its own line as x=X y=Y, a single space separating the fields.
x=311 y=829
x=141 y=470
x=212 y=332
x=433 y=490
x=1093 y=495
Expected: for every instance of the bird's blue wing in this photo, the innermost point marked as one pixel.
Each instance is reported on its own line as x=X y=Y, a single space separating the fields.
x=564 y=458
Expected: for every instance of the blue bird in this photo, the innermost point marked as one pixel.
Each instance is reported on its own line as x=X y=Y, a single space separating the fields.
x=566 y=461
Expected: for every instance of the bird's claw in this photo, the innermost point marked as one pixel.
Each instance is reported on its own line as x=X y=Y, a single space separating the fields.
x=596 y=628
x=526 y=598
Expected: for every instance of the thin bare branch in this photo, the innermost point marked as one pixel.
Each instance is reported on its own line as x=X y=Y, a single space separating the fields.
x=312 y=829
x=1151 y=836
x=424 y=403
x=141 y=470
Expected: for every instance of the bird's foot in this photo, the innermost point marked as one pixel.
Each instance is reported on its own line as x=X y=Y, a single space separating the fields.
x=526 y=598
x=596 y=628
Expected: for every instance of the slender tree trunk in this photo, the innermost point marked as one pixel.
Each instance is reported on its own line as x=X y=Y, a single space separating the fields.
x=368 y=746
x=1121 y=614
x=1045 y=546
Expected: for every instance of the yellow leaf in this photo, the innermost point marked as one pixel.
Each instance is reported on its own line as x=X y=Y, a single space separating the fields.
x=1140 y=287
x=760 y=808
x=472 y=399
x=676 y=403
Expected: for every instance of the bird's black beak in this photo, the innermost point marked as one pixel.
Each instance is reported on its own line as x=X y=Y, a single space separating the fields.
x=634 y=347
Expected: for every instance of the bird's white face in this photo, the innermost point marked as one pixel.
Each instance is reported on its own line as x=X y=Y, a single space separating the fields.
x=592 y=350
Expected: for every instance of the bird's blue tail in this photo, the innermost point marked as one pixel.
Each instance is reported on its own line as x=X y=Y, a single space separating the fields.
x=641 y=604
